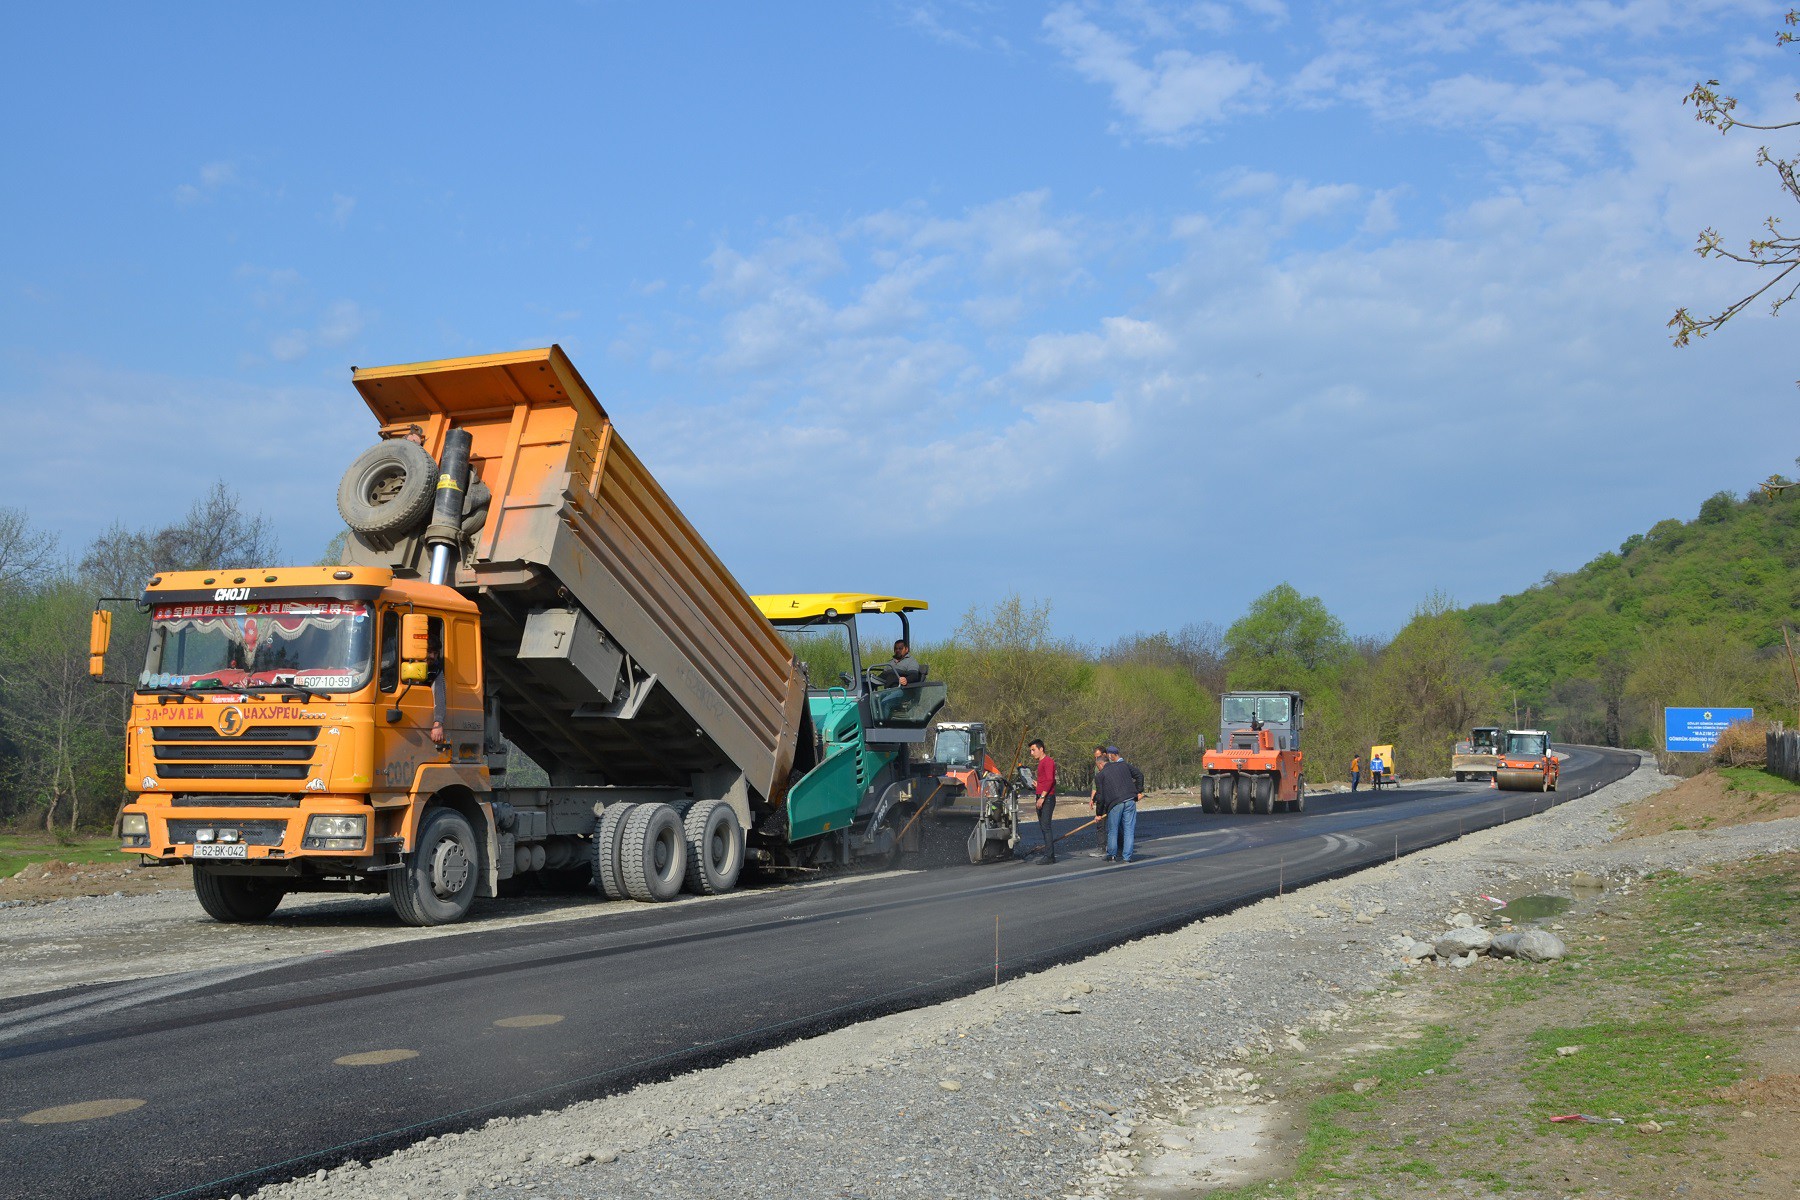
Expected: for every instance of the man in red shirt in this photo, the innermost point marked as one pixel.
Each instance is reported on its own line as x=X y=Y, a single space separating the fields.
x=1045 y=789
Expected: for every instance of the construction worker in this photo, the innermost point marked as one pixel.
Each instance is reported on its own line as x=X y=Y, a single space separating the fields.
x=1045 y=791
x=1377 y=772
x=1096 y=808
x=1121 y=786
x=1355 y=772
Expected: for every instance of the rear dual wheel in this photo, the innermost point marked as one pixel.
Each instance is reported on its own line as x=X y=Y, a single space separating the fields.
x=1209 y=794
x=1262 y=794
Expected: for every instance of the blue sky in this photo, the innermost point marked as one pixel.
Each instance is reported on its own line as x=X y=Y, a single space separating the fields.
x=1138 y=308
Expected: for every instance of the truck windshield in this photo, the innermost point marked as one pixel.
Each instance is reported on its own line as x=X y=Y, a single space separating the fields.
x=1526 y=745
x=1270 y=710
x=823 y=649
x=951 y=747
x=319 y=645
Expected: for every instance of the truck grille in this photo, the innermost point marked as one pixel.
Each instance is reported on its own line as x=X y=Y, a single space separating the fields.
x=251 y=833
x=260 y=752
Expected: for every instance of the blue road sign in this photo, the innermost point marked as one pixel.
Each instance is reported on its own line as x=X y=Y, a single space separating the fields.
x=1694 y=730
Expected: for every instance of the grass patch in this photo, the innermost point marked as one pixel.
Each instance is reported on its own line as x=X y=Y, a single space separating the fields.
x=1638 y=1070
x=1337 y=1148
x=18 y=851
x=1649 y=997
x=1755 y=779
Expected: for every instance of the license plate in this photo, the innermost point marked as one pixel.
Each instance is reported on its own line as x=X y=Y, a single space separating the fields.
x=222 y=850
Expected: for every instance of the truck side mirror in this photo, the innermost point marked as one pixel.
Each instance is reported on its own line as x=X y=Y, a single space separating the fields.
x=99 y=638
x=415 y=647
x=1202 y=740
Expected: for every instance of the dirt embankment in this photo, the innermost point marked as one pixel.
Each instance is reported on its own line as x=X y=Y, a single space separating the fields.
x=1709 y=801
x=58 y=880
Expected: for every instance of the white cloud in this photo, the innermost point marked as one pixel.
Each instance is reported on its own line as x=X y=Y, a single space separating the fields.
x=1053 y=361
x=341 y=208
x=340 y=322
x=211 y=178
x=1169 y=99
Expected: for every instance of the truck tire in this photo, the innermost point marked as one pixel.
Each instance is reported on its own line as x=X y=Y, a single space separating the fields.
x=653 y=856
x=1209 y=794
x=1298 y=804
x=436 y=883
x=608 y=837
x=236 y=899
x=1262 y=794
x=1227 y=793
x=388 y=489
x=715 y=848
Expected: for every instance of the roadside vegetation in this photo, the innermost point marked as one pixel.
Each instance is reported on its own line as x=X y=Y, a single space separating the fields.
x=1671 y=1024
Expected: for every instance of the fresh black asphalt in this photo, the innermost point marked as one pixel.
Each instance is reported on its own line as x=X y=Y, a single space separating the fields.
x=241 y=1085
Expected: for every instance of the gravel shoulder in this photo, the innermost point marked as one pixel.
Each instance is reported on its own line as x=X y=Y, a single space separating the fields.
x=1060 y=1083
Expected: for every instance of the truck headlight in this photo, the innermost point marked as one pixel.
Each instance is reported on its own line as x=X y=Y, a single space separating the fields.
x=336 y=827
x=134 y=825
x=205 y=835
x=335 y=833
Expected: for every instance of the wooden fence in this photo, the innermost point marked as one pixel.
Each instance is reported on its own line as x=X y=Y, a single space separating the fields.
x=1784 y=753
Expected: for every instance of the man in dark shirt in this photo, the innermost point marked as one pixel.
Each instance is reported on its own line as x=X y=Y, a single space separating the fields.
x=1045 y=791
x=903 y=670
x=1120 y=786
x=1095 y=807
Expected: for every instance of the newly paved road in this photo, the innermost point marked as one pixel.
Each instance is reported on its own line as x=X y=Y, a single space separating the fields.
x=247 y=1076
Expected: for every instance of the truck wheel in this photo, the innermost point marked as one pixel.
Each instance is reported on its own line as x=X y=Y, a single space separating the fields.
x=1263 y=794
x=1298 y=804
x=653 y=856
x=608 y=837
x=436 y=883
x=236 y=899
x=1227 y=791
x=1209 y=794
x=388 y=489
x=715 y=848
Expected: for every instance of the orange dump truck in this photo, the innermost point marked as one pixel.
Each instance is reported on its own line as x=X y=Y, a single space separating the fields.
x=519 y=578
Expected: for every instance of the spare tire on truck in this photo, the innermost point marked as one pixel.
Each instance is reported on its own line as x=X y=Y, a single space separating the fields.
x=388 y=489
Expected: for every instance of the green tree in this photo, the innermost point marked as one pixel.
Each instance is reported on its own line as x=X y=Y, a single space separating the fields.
x=1285 y=641
x=1430 y=686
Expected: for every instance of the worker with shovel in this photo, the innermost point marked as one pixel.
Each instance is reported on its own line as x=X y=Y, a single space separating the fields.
x=1120 y=786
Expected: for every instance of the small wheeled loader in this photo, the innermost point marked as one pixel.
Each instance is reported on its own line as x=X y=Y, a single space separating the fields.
x=1258 y=766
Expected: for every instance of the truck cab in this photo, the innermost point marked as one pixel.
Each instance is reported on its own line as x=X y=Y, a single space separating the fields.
x=277 y=735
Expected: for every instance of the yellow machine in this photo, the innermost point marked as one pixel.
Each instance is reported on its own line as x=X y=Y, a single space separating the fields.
x=1389 y=775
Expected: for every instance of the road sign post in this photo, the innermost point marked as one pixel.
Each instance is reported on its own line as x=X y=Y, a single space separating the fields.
x=1696 y=730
